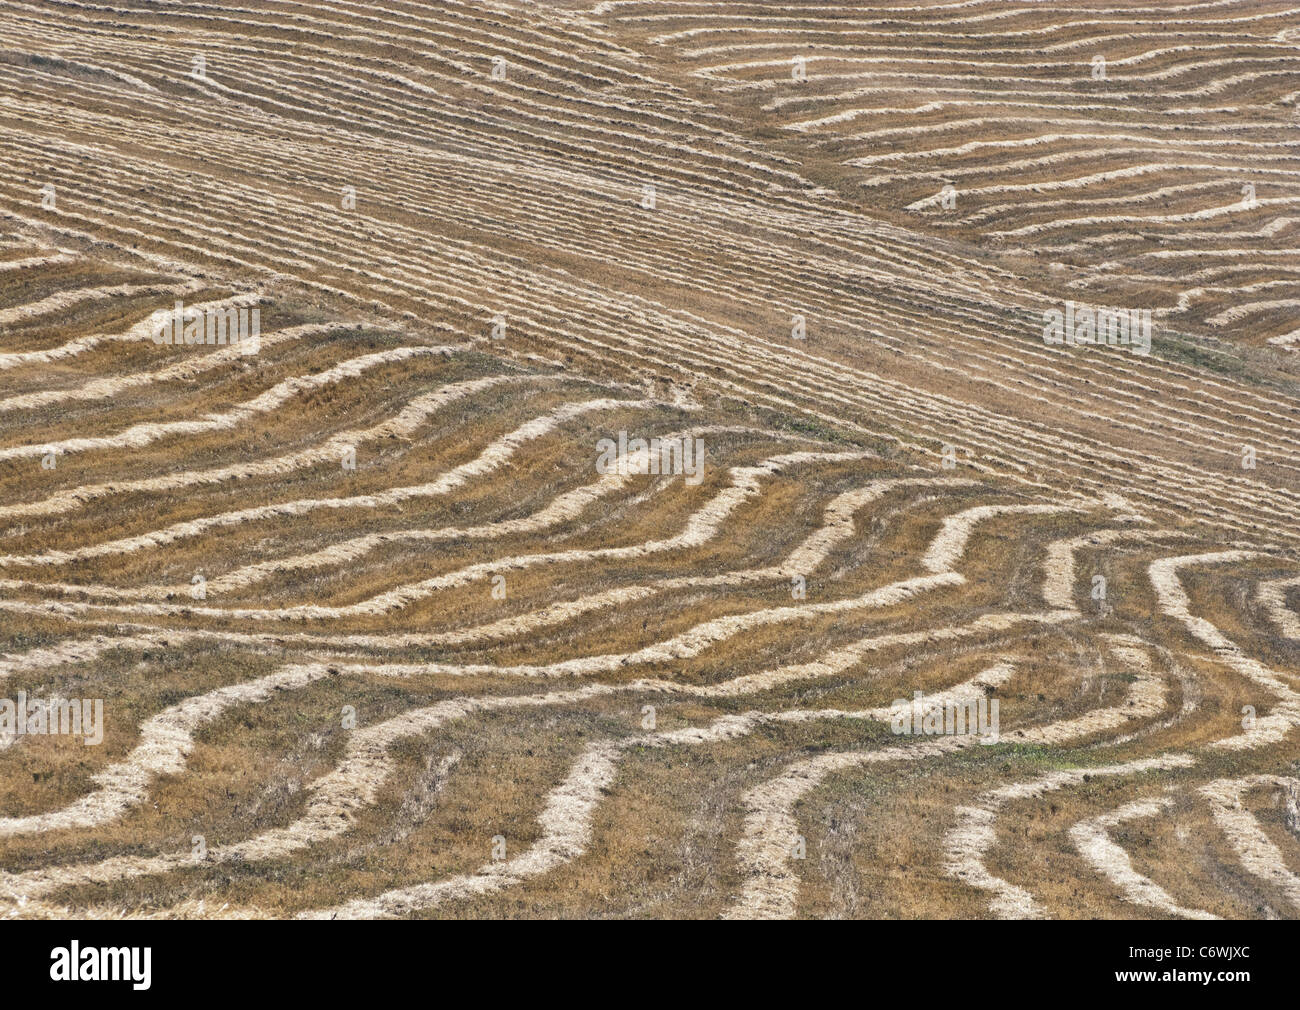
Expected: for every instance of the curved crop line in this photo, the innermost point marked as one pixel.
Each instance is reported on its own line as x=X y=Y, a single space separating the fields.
x=165 y=740
x=1172 y=601
x=138 y=332
x=1092 y=839
x=567 y=815
x=945 y=551
x=1272 y=598
x=1258 y=855
x=701 y=527
x=492 y=458
x=771 y=887
x=106 y=388
x=140 y=435
x=974 y=835
x=837 y=527
x=356 y=781
x=64 y=300
x=400 y=425
x=565 y=506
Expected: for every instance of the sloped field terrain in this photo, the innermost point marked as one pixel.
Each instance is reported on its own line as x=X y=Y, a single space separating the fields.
x=378 y=633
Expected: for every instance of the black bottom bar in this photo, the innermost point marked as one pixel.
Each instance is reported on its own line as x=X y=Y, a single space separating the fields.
x=929 y=959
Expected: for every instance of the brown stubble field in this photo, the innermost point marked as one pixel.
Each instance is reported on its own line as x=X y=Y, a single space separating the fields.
x=376 y=635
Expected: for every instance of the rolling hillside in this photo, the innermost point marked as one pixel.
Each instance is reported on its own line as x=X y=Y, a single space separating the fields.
x=382 y=630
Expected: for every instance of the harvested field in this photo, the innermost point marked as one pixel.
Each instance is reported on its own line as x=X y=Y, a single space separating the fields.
x=395 y=610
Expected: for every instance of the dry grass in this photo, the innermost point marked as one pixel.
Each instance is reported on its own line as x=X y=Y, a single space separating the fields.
x=923 y=391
